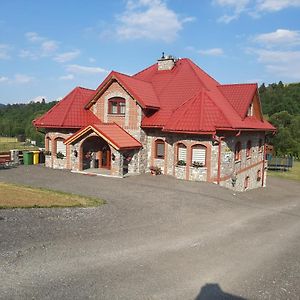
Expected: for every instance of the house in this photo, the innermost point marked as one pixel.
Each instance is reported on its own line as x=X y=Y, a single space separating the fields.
x=171 y=115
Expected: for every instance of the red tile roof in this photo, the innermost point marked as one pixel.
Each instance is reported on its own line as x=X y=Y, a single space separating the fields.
x=116 y=136
x=69 y=112
x=181 y=108
x=140 y=90
x=198 y=114
x=240 y=96
x=184 y=99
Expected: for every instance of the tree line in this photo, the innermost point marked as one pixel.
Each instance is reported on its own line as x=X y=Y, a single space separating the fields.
x=16 y=119
x=280 y=105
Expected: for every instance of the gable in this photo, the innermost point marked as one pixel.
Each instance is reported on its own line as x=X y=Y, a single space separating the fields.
x=101 y=106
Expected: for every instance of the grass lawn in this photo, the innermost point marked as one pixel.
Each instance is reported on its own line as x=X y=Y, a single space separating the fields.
x=293 y=173
x=18 y=196
x=7 y=146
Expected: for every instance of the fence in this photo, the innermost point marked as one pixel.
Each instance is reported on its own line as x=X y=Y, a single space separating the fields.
x=280 y=163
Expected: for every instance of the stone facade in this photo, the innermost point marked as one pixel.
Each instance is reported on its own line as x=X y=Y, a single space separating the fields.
x=233 y=173
x=245 y=173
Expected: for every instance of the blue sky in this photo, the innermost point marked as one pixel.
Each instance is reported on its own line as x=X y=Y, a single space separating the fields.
x=49 y=47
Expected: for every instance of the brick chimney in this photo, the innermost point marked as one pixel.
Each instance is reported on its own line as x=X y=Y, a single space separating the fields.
x=166 y=62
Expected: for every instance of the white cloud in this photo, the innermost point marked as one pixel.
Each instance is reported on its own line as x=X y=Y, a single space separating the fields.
x=92 y=60
x=77 y=69
x=150 y=19
x=66 y=56
x=4 y=51
x=67 y=77
x=280 y=37
x=48 y=47
x=237 y=7
x=28 y=54
x=280 y=63
x=34 y=37
x=276 y=5
x=3 y=79
x=254 y=8
x=212 y=52
x=22 y=78
x=42 y=47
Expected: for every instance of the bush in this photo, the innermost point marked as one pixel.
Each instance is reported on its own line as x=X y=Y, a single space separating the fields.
x=59 y=155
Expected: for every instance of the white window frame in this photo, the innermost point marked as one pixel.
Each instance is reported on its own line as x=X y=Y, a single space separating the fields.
x=199 y=154
x=61 y=147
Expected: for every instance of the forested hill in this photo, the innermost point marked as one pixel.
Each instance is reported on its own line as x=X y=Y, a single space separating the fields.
x=17 y=119
x=281 y=106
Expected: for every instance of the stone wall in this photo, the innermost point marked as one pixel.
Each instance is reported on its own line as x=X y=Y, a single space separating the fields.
x=250 y=167
x=52 y=161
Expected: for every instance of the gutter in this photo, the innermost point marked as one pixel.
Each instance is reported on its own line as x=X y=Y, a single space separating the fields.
x=219 y=140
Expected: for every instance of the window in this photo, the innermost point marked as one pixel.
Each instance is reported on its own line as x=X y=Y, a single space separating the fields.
x=198 y=155
x=258 y=175
x=159 y=149
x=260 y=145
x=61 y=147
x=237 y=151
x=181 y=154
x=248 y=149
x=116 y=106
x=48 y=144
x=250 y=110
x=246 y=184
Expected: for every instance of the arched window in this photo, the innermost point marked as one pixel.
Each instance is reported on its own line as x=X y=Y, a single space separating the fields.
x=258 y=175
x=159 y=149
x=48 y=144
x=237 y=151
x=260 y=145
x=60 y=146
x=246 y=184
x=248 y=149
x=181 y=154
x=198 y=156
x=116 y=105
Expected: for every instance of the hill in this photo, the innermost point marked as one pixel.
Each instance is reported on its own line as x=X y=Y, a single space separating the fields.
x=16 y=119
x=281 y=106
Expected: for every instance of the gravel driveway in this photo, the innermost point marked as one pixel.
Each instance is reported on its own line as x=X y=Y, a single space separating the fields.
x=156 y=238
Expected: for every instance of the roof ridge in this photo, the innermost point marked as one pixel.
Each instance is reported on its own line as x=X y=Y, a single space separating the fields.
x=84 y=88
x=192 y=64
x=70 y=104
x=231 y=84
x=130 y=76
x=144 y=70
x=57 y=104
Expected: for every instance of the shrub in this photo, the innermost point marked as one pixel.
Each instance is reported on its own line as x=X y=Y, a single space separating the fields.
x=59 y=155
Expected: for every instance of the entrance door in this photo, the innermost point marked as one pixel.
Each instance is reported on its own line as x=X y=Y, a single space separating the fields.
x=105 y=158
x=95 y=153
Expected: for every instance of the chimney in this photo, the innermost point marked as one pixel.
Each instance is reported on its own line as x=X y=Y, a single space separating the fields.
x=166 y=62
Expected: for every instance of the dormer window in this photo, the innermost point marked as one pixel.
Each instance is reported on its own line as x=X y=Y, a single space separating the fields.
x=116 y=106
x=250 y=110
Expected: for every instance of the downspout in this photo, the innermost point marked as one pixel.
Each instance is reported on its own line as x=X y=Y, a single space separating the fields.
x=219 y=140
x=264 y=162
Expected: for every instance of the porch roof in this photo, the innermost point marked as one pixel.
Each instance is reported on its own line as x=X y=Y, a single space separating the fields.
x=112 y=133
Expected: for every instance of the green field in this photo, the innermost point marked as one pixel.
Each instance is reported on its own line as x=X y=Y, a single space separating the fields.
x=293 y=173
x=4 y=139
x=7 y=146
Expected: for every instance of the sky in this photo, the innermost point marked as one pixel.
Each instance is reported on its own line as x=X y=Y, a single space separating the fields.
x=49 y=47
